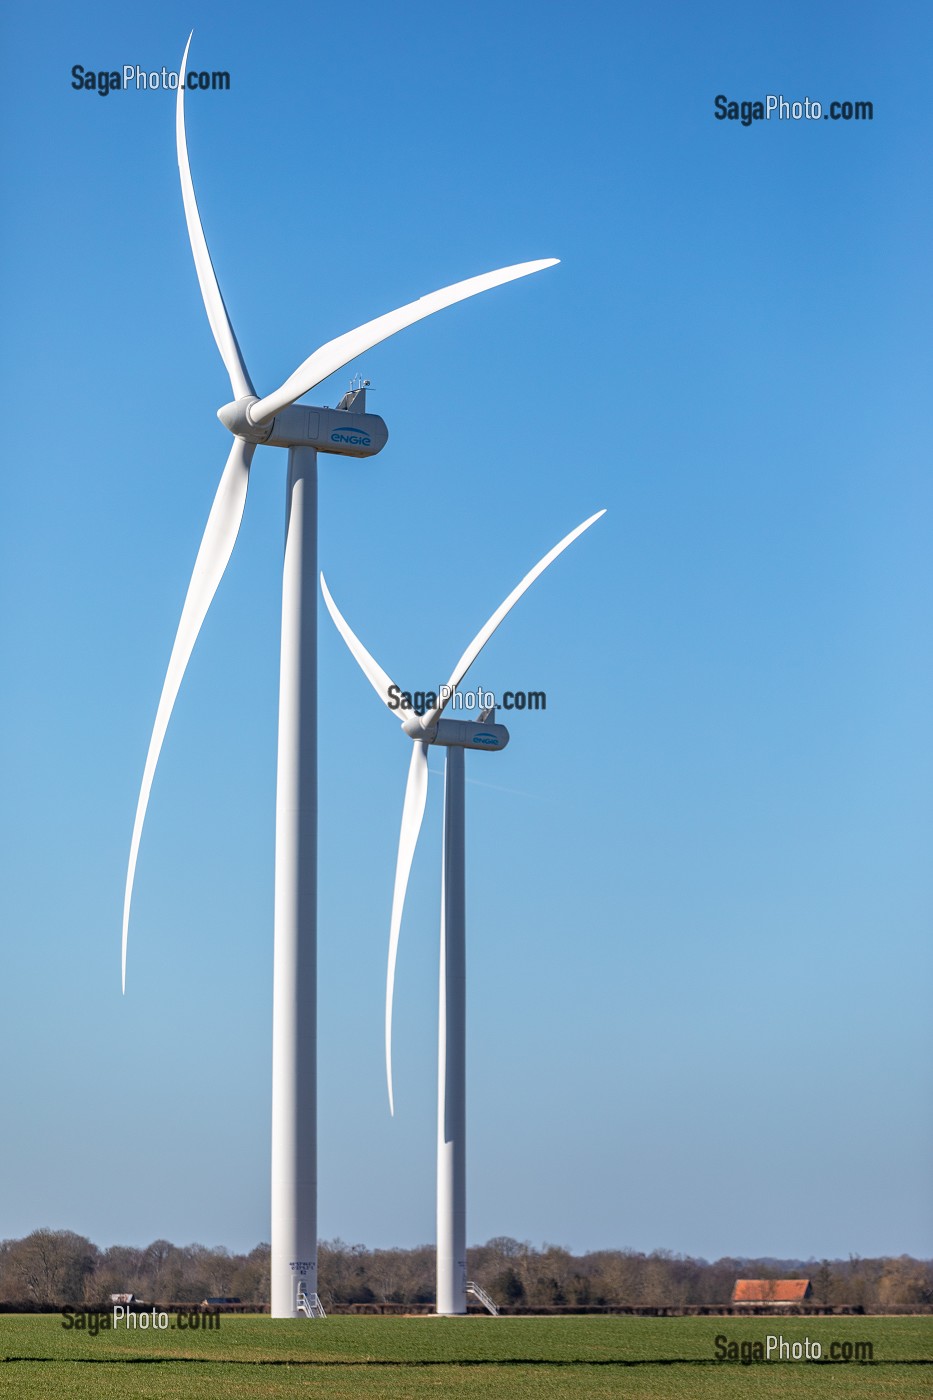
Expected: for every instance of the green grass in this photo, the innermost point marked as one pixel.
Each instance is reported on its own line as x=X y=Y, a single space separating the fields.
x=354 y=1358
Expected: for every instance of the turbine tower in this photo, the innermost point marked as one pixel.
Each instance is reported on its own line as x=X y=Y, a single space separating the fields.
x=455 y=737
x=278 y=420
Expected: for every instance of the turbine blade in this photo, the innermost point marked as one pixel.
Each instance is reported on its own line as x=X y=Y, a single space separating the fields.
x=337 y=353
x=220 y=534
x=213 y=301
x=482 y=637
x=416 y=792
x=380 y=682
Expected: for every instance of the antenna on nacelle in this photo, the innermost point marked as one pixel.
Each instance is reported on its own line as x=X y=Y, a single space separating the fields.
x=355 y=397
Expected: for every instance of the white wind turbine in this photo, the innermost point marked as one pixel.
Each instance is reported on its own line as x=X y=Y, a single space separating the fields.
x=279 y=421
x=454 y=736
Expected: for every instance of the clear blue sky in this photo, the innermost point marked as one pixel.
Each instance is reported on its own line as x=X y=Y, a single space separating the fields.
x=699 y=886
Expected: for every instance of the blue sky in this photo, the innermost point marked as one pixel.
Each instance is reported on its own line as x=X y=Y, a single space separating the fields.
x=699 y=890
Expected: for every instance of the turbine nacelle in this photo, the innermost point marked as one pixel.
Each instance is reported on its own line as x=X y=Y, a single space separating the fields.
x=458 y=734
x=336 y=430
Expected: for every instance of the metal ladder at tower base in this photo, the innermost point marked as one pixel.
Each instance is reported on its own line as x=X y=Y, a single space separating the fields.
x=309 y=1304
x=483 y=1297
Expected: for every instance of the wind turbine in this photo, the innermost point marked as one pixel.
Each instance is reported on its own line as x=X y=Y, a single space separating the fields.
x=455 y=737
x=278 y=420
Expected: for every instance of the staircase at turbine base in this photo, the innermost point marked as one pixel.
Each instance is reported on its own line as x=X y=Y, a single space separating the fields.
x=483 y=1297
x=310 y=1305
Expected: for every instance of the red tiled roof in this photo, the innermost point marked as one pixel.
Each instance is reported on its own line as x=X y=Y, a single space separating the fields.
x=770 y=1290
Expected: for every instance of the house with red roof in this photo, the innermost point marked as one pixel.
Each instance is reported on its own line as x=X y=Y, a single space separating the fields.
x=772 y=1292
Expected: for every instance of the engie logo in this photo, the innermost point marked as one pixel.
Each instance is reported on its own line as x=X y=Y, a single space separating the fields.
x=353 y=437
x=488 y=740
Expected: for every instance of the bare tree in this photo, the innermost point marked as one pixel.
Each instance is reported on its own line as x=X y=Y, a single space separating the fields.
x=51 y=1266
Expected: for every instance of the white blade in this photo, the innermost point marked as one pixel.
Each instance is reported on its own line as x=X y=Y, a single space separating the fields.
x=337 y=353
x=210 y=291
x=380 y=682
x=220 y=534
x=416 y=792
x=482 y=637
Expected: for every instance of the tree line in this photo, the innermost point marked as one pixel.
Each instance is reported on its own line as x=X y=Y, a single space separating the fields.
x=51 y=1268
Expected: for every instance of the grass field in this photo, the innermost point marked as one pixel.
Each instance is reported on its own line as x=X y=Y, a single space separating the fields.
x=580 y=1358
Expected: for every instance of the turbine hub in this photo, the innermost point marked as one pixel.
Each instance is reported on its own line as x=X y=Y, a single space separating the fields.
x=414 y=728
x=235 y=417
